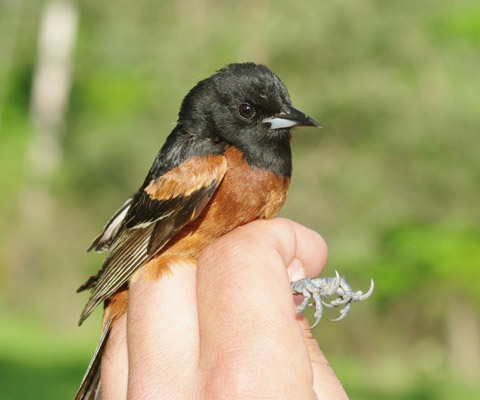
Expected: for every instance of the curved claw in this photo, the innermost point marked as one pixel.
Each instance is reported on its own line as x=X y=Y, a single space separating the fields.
x=365 y=296
x=343 y=298
x=316 y=322
x=339 y=318
x=343 y=313
x=327 y=304
x=318 y=315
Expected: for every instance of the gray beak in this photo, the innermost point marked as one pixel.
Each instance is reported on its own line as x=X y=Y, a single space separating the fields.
x=290 y=117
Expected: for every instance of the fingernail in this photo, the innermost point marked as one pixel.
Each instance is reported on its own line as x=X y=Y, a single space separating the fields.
x=295 y=270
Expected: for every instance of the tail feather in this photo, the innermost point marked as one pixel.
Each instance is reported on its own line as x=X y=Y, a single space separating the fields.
x=90 y=387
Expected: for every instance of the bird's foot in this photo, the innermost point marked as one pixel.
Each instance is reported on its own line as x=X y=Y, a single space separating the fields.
x=321 y=288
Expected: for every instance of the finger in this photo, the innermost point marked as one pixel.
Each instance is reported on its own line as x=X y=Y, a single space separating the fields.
x=245 y=303
x=325 y=383
x=162 y=332
x=297 y=270
x=307 y=260
x=114 y=367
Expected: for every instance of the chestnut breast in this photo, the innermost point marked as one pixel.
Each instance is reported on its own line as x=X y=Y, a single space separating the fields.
x=245 y=194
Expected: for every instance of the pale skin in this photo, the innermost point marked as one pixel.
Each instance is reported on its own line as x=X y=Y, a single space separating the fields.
x=226 y=329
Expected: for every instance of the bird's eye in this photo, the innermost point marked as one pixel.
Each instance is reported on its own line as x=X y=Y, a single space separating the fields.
x=246 y=111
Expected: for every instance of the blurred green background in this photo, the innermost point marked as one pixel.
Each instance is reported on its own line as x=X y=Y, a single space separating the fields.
x=90 y=89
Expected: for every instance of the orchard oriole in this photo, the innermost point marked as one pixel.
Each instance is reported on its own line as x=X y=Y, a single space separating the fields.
x=227 y=162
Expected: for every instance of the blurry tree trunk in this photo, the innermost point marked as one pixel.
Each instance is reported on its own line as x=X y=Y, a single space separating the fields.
x=48 y=104
x=463 y=336
x=9 y=23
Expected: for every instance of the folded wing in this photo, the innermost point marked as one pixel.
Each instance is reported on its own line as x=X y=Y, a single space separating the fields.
x=150 y=219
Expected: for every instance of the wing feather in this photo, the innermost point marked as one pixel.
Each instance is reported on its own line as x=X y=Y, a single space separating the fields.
x=151 y=221
x=110 y=231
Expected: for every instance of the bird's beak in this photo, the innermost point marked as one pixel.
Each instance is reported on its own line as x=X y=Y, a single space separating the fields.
x=290 y=117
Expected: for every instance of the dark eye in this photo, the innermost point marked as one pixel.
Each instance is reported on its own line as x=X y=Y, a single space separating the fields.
x=246 y=111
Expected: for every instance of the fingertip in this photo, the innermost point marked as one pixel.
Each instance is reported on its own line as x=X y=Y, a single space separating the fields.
x=311 y=249
x=289 y=239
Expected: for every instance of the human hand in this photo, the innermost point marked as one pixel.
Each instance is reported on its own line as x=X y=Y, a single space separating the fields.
x=226 y=329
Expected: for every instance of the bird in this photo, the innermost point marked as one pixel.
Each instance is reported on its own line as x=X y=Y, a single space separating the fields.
x=227 y=162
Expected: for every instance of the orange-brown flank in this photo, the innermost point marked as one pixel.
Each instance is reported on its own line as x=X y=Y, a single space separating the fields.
x=245 y=194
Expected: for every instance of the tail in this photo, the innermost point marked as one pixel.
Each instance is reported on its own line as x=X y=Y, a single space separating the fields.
x=90 y=387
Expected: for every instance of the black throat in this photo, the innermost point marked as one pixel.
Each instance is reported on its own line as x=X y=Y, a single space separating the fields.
x=272 y=155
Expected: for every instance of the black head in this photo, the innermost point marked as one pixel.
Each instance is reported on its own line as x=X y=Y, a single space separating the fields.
x=248 y=106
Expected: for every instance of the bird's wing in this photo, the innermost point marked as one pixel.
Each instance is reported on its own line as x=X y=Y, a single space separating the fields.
x=154 y=216
x=110 y=231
